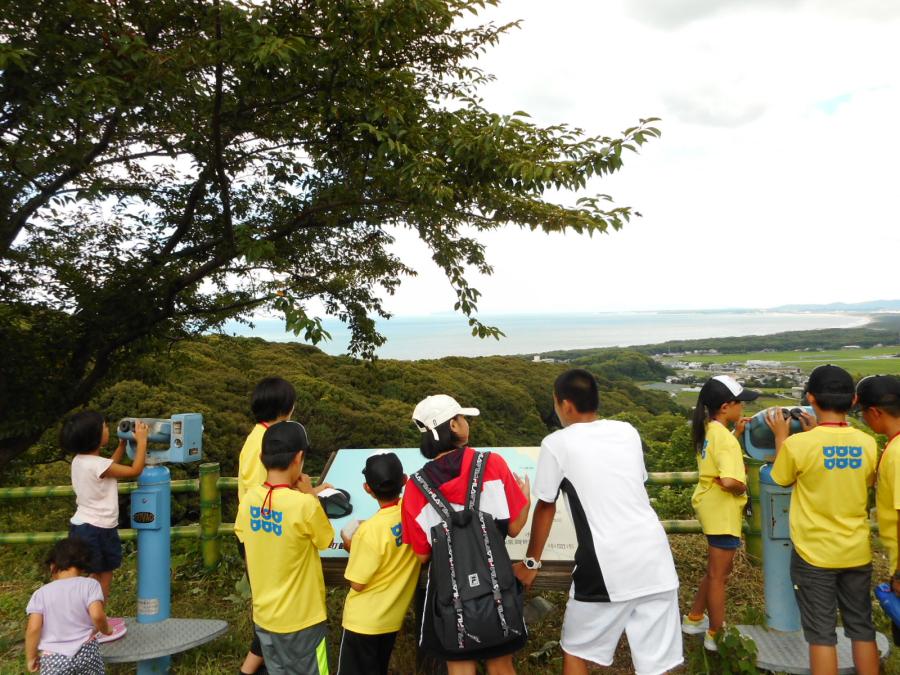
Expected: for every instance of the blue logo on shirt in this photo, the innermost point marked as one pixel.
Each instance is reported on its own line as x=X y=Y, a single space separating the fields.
x=397 y=531
x=267 y=521
x=842 y=456
x=703 y=449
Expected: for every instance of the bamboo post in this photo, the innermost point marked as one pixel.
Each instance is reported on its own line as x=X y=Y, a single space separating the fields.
x=210 y=515
x=754 y=522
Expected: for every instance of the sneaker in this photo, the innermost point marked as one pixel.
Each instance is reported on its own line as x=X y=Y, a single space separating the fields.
x=691 y=627
x=118 y=628
x=709 y=642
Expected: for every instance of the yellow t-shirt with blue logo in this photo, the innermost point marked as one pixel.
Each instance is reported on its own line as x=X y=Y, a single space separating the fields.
x=831 y=469
x=389 y=569
x=250 y=467
x=887 y=498
x=283 y=544
x=719 y=511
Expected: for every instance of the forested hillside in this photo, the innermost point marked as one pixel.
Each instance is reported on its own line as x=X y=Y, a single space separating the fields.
x=346 y=403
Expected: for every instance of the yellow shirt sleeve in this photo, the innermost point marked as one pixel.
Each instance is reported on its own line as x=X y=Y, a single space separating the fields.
x=321 y=531
x=895 y=482
x=365 y=559
x=784 y=470
x=729 y=460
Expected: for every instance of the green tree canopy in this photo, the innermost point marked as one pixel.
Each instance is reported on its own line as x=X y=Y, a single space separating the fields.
x=166 y=166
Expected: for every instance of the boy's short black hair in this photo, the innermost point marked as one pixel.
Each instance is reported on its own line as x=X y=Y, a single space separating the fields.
x=580 y=387
x=68 y=553
x=833 y=388
x=281 y=443
x=272 y=398
x=880 y=391
x=82 y=432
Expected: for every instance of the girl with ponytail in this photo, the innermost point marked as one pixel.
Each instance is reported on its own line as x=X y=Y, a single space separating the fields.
x=719 y=497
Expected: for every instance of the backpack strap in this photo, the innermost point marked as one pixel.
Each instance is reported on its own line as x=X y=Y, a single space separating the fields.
x=476 y=478
x=476 y=482
x=433 y=495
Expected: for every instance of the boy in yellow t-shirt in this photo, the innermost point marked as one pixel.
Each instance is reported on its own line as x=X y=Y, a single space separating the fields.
x=382 y=572
x=831 y=467
x=879 y=402
x=283 y=526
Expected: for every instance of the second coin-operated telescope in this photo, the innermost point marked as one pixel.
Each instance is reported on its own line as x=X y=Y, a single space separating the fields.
x=182 y=435
x=759 y=441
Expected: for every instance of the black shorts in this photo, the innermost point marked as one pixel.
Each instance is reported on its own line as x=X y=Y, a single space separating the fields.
x=365 y=654
x=105 y=545
x=821 y=591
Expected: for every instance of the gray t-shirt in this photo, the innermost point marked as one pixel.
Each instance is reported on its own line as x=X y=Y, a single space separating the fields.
x=64 y=606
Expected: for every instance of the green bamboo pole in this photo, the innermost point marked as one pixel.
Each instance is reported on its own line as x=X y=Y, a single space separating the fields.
x=186 y=485
x=681 y=526
x=210 y=515
x=673 y=478
x=753 y=524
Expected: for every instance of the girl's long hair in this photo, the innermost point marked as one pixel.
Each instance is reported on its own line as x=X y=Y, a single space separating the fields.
x=698 y=424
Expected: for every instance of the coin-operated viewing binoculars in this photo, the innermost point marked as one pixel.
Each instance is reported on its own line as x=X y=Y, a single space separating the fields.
x=181 y=438
x=759 y=441
x=782 y=613
x=182 y=435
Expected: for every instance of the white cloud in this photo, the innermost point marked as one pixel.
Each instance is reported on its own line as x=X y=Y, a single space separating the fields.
x=775 y=177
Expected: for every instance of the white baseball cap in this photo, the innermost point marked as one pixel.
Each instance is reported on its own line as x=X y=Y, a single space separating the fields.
x=433 y=411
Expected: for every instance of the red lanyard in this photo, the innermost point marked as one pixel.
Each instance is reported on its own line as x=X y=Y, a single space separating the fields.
x=268 y=498
x=834 y=424
x=265 y=425
x=390 y=504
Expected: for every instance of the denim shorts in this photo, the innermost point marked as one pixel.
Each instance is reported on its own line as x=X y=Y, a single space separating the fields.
x=727 y=541
x=105 y=545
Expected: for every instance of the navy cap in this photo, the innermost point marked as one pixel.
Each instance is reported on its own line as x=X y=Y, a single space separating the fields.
x=287 y=437
x=829 y=379
x=878 y=390
x=723 y=389
x=384 y=472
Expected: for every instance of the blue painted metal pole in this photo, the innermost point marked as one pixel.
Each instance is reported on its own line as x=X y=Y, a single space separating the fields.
x=151 y=517
x=782 y=613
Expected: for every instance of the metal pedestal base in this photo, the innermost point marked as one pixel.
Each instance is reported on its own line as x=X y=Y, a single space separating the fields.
x=789 y=652
x=151 y=644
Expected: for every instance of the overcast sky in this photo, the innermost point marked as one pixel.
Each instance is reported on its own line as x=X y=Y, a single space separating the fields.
x=775 y=180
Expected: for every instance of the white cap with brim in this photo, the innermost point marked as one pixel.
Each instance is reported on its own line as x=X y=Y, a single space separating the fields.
x=433 y=411
x=737 y=391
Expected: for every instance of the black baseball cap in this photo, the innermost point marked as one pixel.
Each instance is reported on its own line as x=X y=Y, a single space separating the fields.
x=287 y=437
x=829 y=379
x=876 y=390
x=723 y=389
x=384 y=472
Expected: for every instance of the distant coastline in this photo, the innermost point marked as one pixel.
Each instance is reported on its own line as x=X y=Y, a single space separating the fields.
x=438 y=336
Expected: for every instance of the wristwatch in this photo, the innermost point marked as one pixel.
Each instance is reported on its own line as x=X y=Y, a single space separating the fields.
x=531 y=564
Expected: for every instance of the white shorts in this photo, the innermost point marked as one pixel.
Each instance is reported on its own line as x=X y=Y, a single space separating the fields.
x=591 y=631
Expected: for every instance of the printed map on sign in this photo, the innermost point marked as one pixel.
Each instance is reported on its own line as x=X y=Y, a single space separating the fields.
x=345 y=472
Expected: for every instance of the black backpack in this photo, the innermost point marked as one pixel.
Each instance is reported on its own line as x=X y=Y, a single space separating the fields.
x=476 y=600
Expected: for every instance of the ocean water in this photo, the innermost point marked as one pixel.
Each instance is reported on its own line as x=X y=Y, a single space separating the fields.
x=449 y=335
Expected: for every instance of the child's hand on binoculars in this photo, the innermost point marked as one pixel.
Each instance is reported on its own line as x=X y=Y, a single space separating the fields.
x=780 y=426
x=807 y=421
x=740 y=425
x=141 y=431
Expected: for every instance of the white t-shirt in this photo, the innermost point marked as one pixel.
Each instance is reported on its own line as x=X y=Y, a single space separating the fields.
x=97 y=498
x=623 y=552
